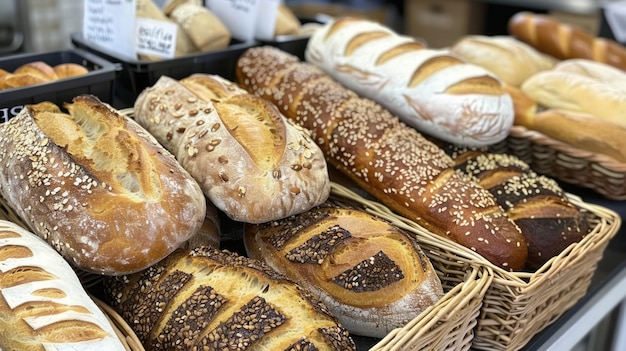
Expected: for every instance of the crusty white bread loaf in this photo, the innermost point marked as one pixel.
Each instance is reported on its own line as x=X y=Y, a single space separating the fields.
x=508 y=58
x=386 y=158
x=97 y=186
x=43 y=305
x=599 y=71
x=372 y=276
x=561 y=89
x=251 y=162
x=565 y=41
x=537 y=204
x=431 y=90
x=287 y=23
x=205 y=30
x=206 y=299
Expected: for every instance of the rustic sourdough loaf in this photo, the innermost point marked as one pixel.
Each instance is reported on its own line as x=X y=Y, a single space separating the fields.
x=97 y=186
x=390 y=160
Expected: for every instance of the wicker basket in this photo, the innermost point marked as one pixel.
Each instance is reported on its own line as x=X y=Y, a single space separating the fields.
x=517 y=305
x=450 y=323
x=565 y=162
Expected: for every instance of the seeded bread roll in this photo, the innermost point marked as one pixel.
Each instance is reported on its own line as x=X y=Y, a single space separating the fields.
x=386 y=158
x=430 y=90
x=97 y=186
x=372 y=276
x=207 y=299
x=250 y=161
x=42 y=303
x=537 y=204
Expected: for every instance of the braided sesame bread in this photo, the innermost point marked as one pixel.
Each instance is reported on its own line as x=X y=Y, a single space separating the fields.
x=537 y=204
x=206 y=299
x=42 y=302
x=97 y=186
x=390 y=160
x=251 y=162
x=372 y=276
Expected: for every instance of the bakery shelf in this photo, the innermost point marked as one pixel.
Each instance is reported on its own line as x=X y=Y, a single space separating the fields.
x=99 y=81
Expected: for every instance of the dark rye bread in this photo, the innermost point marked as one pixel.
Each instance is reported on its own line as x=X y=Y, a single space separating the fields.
x=537 y=204
x=388 y=159
x=207 y=299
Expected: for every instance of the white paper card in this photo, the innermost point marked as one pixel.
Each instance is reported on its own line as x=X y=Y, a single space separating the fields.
x=111 y=24
x=239 y=16
x=156 y=38
x=266 y=19
x=615 y=13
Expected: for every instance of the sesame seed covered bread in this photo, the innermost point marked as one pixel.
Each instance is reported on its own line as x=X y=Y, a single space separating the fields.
x=43 y=305
x=537 y=204
x=97 y=186
x=373 y=276
x=431 y=90
x=206 y=299
x=385 y=157
x=251 y=162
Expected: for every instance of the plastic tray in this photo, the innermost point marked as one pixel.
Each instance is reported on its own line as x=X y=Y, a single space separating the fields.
x=99 y=81
x=139 y=74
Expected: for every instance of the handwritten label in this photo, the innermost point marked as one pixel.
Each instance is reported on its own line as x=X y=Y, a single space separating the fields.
x=615 y=13
x=6 y=113
x=108 y=23
x=246 y=19
x=156 y=38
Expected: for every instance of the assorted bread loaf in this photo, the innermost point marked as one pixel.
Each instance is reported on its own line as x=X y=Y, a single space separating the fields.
x=431 y=90
x=372 y=276
x=251 y=162
x=385 y=157
x=39 y=72
x=206 y=299
x=96 y=186
x=42 y=302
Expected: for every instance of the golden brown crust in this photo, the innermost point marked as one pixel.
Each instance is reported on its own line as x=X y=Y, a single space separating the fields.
x=68 y=70
x=372 y=276
x=101 y=191
x=391 y=161
x=226 y=300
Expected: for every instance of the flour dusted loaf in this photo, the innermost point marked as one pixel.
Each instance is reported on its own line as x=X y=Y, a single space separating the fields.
x=537 y=204
x=431 y=90
x=206 y=299
x=372 y=276
x=42 y=302
x=251 y=162
x=97 y=186
x=386 y=158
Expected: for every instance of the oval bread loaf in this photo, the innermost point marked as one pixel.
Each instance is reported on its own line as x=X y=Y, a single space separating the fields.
x=430 y=90
x=43 y=305
x=371 y=275
x=251 y=162
x=206 y=299
x=96 y=186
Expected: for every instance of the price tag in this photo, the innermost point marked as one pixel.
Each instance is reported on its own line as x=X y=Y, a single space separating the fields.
x=246 y=19
x=615 y=14
x=156 y=38
x=108 y=24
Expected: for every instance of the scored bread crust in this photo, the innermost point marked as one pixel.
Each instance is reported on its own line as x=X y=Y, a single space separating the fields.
x=251 y=162
x=97 y=186
x=371 y=275
x=206 y=299
x=430 y=90
x=42 y=302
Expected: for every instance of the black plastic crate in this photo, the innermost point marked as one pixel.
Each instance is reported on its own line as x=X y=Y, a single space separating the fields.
x=139 y=74
x=99 y=81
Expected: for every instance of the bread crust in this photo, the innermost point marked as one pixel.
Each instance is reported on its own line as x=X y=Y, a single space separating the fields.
x=97 y=186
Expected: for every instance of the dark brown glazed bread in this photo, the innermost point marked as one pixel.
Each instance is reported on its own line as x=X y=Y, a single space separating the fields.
x=390 y=160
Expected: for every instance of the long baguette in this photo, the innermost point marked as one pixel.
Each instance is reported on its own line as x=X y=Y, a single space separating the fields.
x=390 y=160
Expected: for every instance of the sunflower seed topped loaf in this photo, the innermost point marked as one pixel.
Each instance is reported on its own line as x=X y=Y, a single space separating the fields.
x=383 y=156
x=42 y=302
x=432 y=90
x=251 y=162
x=372 y=276
x=97 y=186
x=206 y=299
x=537 y=204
